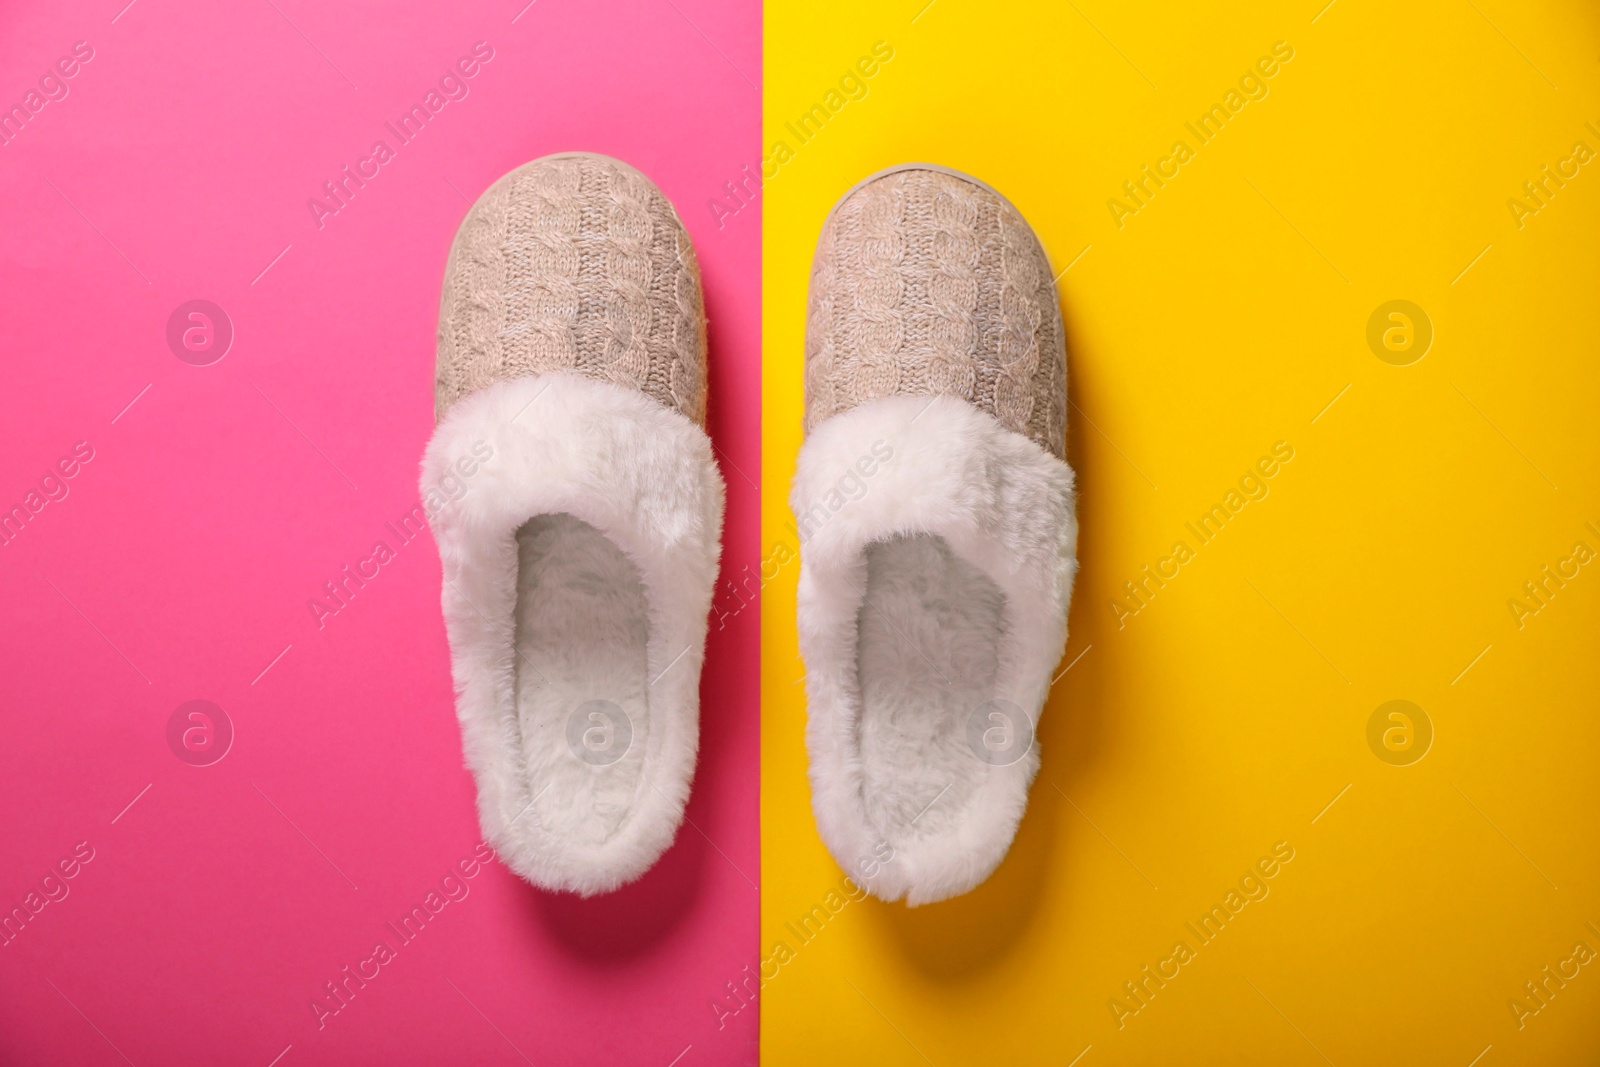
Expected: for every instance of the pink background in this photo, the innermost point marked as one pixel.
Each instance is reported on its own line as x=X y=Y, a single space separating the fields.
x=182 y=560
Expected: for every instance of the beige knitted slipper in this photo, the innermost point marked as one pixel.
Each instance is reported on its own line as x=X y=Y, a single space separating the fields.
x=578 y=511
x=937 y=527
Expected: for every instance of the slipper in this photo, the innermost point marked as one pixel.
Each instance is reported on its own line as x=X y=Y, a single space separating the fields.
x=937 y=524
x=578 y=512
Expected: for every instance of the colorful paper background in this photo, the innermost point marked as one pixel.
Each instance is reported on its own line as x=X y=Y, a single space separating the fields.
x=1222 y=317
x=180 y=563
x=1384 y=161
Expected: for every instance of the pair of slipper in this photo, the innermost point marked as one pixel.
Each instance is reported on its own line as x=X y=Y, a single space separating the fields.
x=933 y=503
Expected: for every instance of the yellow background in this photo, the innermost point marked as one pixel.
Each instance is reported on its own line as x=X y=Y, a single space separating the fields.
x=1226 y=715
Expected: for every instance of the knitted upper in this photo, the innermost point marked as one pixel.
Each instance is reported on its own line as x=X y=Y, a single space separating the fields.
x=924 y=283
x=577 y=263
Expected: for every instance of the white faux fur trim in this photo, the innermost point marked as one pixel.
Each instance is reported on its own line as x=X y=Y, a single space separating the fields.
x=1004 y=508
x=643 y=476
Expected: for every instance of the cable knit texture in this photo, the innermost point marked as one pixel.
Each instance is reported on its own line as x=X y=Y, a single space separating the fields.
x=937 y=524
x=927 y=283
x=580 y=562
x=573 y=263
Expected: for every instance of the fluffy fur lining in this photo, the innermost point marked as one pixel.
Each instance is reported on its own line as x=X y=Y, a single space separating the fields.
x=587 y=505
x=937 y=558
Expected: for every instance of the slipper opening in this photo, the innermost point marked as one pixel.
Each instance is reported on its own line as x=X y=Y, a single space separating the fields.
x=582 y=695
x=930 y=630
